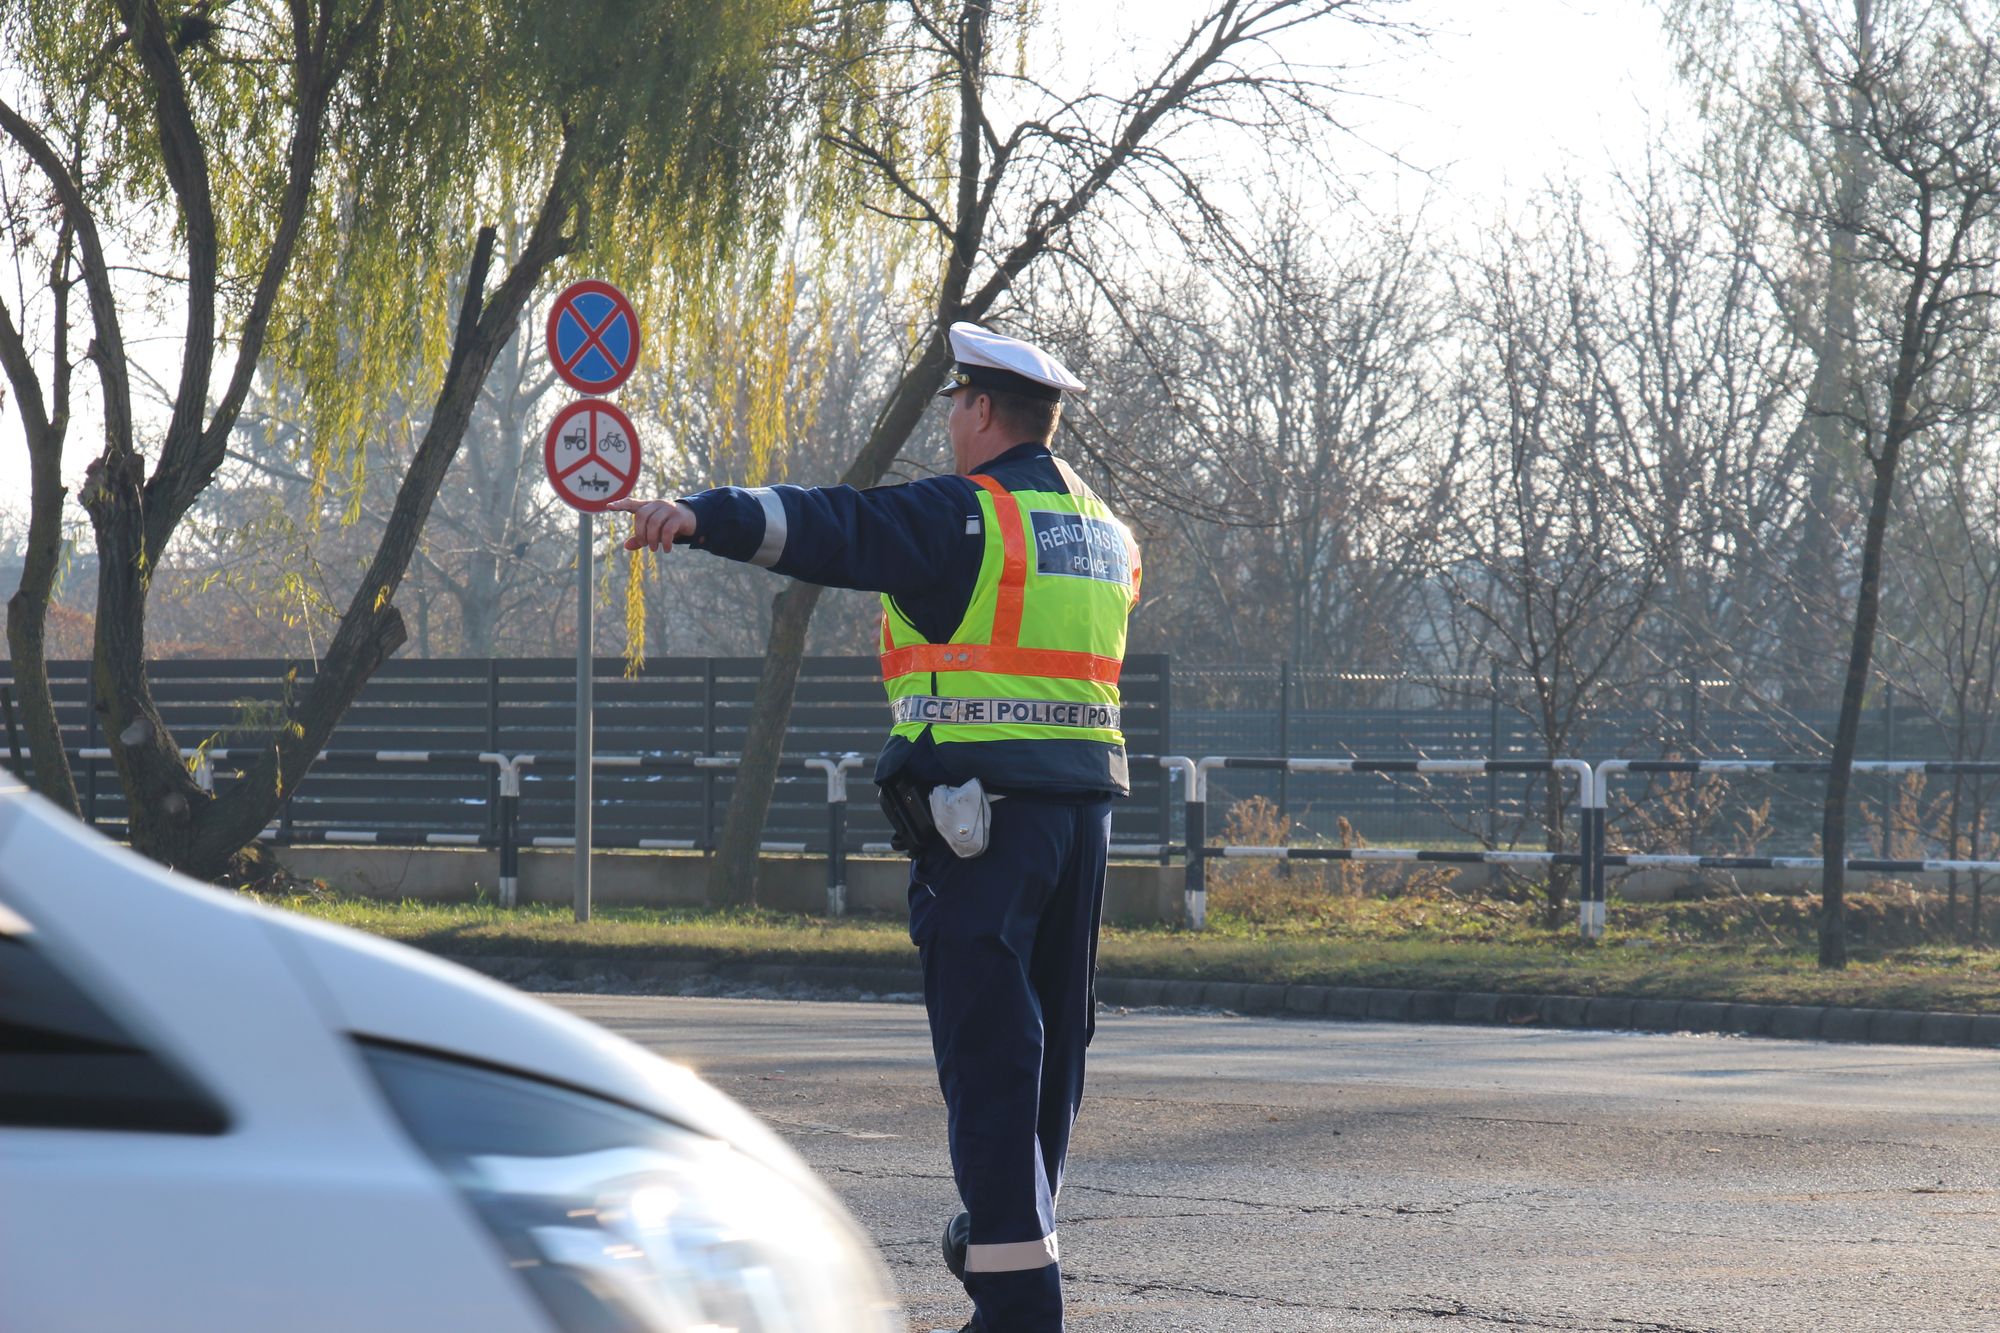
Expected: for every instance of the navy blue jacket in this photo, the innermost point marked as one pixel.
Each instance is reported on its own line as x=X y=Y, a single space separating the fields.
x=922 y=544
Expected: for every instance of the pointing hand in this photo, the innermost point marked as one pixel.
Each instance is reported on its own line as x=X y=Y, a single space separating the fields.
x=655 y=523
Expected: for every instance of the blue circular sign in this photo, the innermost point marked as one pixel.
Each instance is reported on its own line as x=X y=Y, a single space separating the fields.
x=593 y=336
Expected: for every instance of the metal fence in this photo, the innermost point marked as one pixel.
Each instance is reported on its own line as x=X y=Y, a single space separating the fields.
x=673 y=708
x=1279 y=709
x=684 y=707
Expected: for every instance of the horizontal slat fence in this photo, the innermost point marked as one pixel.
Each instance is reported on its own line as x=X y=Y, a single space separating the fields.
x=1287 y=709
x=672 y=706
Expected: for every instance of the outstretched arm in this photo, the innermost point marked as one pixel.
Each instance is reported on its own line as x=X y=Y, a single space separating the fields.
x=895 y=539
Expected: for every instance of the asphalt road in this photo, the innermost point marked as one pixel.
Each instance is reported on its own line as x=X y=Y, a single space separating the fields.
x=1265 y=1176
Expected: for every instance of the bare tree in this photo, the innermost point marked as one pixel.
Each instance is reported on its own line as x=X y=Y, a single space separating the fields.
x=1885 y=117
x=1698 y=363
x=1919 y=95
x=35 y=324
x=997 y=200
x=1941 y=619
x=1314 y=410
x=1556 y=556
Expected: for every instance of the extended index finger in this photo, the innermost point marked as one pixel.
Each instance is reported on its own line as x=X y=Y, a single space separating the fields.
x=628 y=506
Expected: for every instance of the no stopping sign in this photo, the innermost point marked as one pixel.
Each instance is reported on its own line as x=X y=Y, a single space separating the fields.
x=592 y=454
x=593 y=336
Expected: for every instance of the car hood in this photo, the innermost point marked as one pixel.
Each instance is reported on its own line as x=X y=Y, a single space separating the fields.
x=82 y=885
x=379 y=990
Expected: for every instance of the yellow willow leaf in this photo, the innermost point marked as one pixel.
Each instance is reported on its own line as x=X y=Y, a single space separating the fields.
x=636 y=568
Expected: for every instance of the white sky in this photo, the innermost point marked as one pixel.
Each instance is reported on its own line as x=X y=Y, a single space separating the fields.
x=1505 y=95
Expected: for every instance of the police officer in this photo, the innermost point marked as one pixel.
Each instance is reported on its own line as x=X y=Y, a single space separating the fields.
x=1005 y=591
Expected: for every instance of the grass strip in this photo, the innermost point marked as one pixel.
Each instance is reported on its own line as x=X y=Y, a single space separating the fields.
x=1747 y=949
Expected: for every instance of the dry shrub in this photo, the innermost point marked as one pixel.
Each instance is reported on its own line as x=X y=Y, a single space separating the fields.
x=1676 y=812
x=1270 y=891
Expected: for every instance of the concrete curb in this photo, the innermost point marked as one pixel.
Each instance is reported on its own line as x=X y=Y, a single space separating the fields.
x=1791 y=1021
x=684 y=977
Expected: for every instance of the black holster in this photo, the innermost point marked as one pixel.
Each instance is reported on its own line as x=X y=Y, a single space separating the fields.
x=907 y=806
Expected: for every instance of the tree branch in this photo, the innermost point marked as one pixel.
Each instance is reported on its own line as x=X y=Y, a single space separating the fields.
x=188 y=463
x=186 y=163
x=108 y=348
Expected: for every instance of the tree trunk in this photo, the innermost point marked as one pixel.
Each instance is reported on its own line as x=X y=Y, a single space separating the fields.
x=27 y=616
x=1815 y=565
x=372 y=628
x=172 y=820
x=1833 y=818
x=478 y=606
x=45 y=427
x=27 y=628
x=1840 y=306
x=161 y=795
x=732 y=877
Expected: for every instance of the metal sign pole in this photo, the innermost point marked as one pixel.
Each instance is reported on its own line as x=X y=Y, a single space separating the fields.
x=591 y=452
x=583 y=715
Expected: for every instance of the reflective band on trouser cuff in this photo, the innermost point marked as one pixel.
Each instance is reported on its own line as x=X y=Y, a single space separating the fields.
x=1018 y=1257
x=1006 y=712
x=1054 y=663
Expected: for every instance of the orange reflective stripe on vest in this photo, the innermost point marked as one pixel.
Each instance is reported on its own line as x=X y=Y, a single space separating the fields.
x=1030 y=675
x=999 y=660
x=1013 y=564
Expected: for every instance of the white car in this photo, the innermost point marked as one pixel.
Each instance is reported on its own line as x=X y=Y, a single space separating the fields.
x=217 y=1117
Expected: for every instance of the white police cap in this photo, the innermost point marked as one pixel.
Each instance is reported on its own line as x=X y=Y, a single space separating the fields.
x=991 y=360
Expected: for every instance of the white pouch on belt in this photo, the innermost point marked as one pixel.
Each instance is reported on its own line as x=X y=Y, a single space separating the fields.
x=963 y=816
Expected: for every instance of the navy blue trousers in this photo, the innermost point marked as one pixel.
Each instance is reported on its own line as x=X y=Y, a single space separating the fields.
x=1009 y=948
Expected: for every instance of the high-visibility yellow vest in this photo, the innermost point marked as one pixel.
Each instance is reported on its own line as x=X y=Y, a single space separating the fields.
x=1037 y=655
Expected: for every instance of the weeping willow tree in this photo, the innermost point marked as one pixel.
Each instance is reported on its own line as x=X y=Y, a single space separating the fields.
x=315 y=189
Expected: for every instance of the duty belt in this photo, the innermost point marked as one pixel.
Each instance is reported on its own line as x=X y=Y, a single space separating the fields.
x=1006 y=712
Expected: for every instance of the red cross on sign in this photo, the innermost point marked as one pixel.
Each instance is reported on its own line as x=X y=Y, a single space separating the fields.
x=592 y=455
x=593 y=336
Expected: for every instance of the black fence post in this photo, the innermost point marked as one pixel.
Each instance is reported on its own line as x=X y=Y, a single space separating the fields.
x=1889 y=752
x=1591 y=843
x=1493 y=746
x=1285 y=752
x=509 y=775
x=90 y=743
x=708 y=749
x=836 y=846
x=1197 y=852
x=13 y=741
x=1166 y=748
x=492 y=747
x=1284 y=741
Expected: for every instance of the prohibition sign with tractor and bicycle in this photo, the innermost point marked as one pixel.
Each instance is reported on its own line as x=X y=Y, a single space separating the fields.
x=592 y=454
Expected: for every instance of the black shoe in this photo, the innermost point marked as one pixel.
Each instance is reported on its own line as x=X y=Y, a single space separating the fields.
x=957 y=1235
